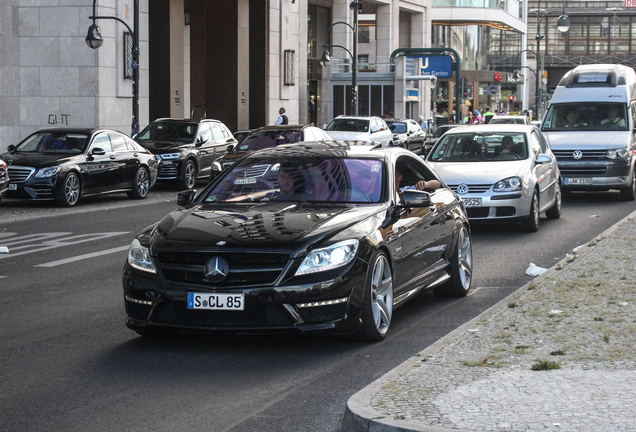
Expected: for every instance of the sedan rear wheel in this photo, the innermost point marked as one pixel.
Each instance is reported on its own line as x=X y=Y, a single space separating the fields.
x=142 y=184
x=71 y=190
x=532 y=223
x=377 y=307
x=461 y=267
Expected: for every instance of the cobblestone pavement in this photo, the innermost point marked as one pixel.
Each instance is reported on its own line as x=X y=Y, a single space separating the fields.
x=576 y=324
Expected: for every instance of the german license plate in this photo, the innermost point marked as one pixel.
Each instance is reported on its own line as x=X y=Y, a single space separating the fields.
x=577 y=181
x=216 y=301
x=472 y=202
x=13 y=186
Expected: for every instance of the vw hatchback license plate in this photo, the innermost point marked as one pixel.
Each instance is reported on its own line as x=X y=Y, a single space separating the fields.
x=13 y=186
x=216 y=301
x=575 y=181
x=472 y=202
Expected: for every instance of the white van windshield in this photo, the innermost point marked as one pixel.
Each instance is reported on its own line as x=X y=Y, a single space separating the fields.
x=590 y=116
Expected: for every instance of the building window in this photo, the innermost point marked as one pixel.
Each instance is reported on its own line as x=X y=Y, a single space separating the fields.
x=290 y=73
x=364 y=34
x=128 y=55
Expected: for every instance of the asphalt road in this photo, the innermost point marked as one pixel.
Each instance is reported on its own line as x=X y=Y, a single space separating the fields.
x=68 y=363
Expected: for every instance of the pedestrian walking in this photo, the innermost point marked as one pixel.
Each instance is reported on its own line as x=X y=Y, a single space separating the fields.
x=422 y=123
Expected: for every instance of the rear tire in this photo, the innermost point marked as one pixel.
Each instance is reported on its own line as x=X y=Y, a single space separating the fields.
x=142 y=184
x=629 y=193
x=377 y=307
x=71 y=190
x=554 y=212
x=461 y=268
x=532 y=223
x=188 y=176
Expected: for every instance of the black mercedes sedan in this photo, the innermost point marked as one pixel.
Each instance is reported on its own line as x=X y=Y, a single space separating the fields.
x=65 y=164
x=315 y=238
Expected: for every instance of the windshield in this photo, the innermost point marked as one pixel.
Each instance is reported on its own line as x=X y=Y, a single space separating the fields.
x=300 y=179
x=397 y=128
x=589 y=116
x=268 y=139
x=507 y=120
x=169 y=131
x=474 y=147
x=52 y=142
x=349 y=125
x=440 y=131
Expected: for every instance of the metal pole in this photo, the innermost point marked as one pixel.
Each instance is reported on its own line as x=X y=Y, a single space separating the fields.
x=538 y=54
x=134 y=129
x=354 y=70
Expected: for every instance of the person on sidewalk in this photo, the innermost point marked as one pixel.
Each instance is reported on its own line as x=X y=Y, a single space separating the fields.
x=422 y=123
x=282 y=118
x=488 y=115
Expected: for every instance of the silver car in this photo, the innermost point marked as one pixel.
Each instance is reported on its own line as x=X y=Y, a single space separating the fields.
x=503 y=173
x=352 y=128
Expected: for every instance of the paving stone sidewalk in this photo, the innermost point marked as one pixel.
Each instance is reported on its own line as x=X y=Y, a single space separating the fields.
x=576 y=323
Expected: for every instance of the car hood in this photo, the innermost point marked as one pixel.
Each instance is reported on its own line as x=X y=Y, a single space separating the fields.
x=588 y=139
x=40 y=160
x=454 y=173
x=350 y=136
x=161 y=147
x=281 y=225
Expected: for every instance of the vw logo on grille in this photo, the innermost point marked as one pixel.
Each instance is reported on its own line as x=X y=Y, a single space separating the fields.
x=216 y=269
x=462 y=189
x=578 y=154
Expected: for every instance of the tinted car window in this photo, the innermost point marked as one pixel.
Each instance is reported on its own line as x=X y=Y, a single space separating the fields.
x=267 y=139
x=397 y=127
x=349 y=125
x=308 y=179
x=440 y=131
x=169 y=131
x=48 y=142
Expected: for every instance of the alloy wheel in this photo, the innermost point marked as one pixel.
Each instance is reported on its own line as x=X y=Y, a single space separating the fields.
x=382 y=294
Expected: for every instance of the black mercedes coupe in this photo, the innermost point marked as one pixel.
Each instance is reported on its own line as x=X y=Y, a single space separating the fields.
x=313 y=237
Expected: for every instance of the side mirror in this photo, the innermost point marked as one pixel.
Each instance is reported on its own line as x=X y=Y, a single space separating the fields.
x=230 y=148
x=415 y=198
x=201 y=140
x=186 y=197
x=11 y=148
x=544 y=159
x=97 y=151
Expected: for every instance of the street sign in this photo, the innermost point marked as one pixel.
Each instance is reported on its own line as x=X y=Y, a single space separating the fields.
x=439 y=66
x=491 y=90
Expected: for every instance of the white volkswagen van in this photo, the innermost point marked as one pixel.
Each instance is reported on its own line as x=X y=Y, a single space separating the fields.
x=590 y=124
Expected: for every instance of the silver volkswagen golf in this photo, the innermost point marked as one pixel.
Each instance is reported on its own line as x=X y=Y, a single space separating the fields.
x=503 y=173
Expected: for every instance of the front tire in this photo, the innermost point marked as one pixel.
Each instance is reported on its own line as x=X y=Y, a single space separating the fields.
x=142 y=184
x=188 y=177
x=461 y=268
x=554 y=212
x=532 y=223
x=629 y=193
x=71 y=190
x=377 y=307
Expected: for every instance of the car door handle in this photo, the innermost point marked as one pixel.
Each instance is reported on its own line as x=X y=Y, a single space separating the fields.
x=113 y=157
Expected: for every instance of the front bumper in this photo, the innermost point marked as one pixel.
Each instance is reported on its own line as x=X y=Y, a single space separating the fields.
x=602 y=175
x=35 y=189
x=328 y=303
x=505 y=206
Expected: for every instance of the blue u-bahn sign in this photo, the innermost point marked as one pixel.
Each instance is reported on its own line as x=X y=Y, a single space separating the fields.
x=439 y=66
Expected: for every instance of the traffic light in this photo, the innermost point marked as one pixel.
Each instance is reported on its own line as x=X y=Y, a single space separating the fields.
x=511 y=98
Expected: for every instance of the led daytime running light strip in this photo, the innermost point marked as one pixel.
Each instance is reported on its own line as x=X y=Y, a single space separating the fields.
x=143 y=302
x=322 y=303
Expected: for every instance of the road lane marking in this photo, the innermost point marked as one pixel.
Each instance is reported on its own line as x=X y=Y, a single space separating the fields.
x=83 y=257
x=26 y=242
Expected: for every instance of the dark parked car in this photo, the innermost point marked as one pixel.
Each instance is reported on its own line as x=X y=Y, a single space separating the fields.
x=407 y=134
x=4 y=179
x=431 y=140
x=311 y=238
x=186 y=149
x=65 y=164
x=268 y=137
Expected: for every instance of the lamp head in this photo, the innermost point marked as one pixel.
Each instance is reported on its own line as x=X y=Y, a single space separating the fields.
x=516 y=75
x=538 y=37
x=325 y=58
x=563 y=23
x=94 y=37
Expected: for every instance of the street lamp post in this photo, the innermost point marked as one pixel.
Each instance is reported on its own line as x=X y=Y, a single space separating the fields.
x=563 y=24
x=356 y=6
x=614 y=9
x=94 y=40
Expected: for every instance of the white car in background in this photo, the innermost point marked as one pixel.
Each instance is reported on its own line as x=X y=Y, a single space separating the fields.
x=354 y=128
x=503 y=173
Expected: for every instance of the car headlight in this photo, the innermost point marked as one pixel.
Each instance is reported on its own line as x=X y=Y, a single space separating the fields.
x=139 y=257
x=618 y=153
x=168 y=156
x=48 y=172
x=508 y=185
x=329 y=258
